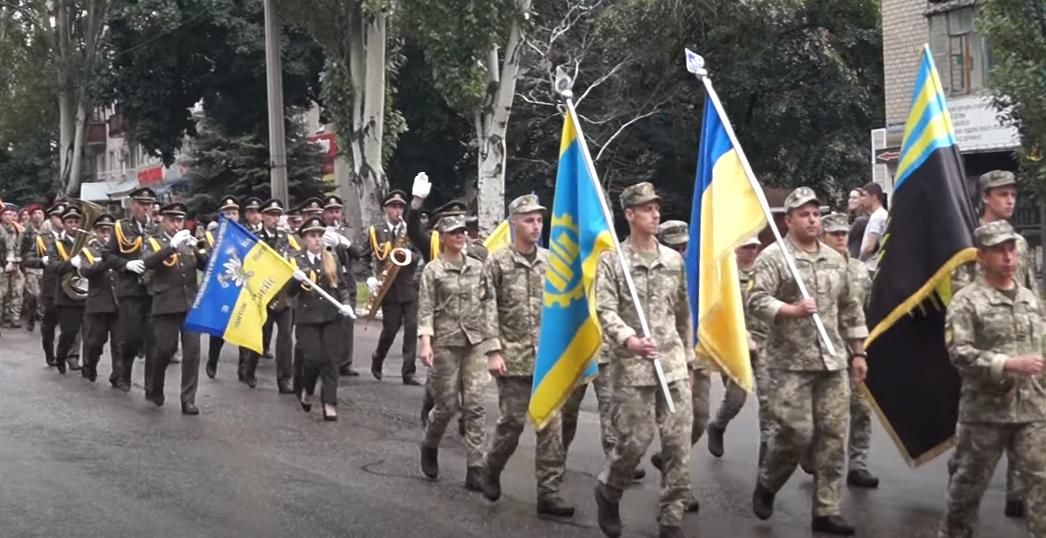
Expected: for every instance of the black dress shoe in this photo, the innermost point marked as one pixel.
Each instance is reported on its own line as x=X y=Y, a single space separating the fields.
x=862 y=479
x=251 y=381
x=608 y=513
x=330 y=413
x=347 y=371
x=284 y=387
x=430 y=462
x=375 y=369
x=409 y=380
x=1014 y=509
x=556 y=507
x=50 y=361
x=188 y=408
x=832 y=525
x=60 y=365
x=124 y=387
x=306 y=402
x=763 y=502
x=74 y=364
x=212 y=370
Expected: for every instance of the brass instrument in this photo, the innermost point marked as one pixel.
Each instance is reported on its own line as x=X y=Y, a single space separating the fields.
x=399 y=257
x=73 y=284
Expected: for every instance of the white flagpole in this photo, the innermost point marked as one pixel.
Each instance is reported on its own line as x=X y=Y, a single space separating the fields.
x=563 y=87
x=696 y=65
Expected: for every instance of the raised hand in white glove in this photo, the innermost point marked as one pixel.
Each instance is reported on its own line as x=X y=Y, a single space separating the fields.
x=77 y=261
x=347 y=311
x=45 y=260
x=135 y=266
x=372 y=283
x=180 y=239
x=331 y=238
x=422 y=186
x=300 y=275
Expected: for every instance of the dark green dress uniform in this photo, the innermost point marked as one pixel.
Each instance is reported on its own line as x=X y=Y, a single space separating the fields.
x=346 y=255
x=173 y=283
x=70 y=310
x=399 y=307
x=101 y=314
x=43 y=246
x=279 y=314
x=132 y=299
x=317 y=323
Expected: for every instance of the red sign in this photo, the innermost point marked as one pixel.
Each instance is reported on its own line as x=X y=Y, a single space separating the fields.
x=329 y=145
x=887 y=156
x=150 y=176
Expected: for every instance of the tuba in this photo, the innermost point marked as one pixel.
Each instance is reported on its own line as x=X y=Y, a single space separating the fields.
x=73 y=284
x=399 y=257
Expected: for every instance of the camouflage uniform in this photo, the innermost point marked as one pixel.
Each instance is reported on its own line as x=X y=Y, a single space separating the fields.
x=860 y=407
x=998 y=410
x=450 y=312
x=32 y=277
x=639 y=408
x=808 y=386
x=12 y=283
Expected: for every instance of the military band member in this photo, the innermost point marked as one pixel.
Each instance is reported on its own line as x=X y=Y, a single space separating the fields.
x=451 y=330
x=32 y=305
x=70 y=309
x=399 y=307
x=994 y=334
x=318 y=323
x=12 y=281
x=172 y=259
x=133 y=302
x=513 y=285
x=338 y=238
x=640 y=409
x=294 y=221
x=810 y=387
x=100 y=314
x=279 y=313
x=230 y=208
x=252 y=217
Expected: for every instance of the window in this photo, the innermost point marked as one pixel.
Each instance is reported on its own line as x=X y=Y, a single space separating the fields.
x=961 y=55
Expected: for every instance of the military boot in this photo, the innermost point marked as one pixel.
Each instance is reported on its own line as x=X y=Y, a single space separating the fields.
x=491 y=484
x=474 y=479
x=609 y=516
x=832 y=525
x=656 y=461
x=692 y=505
x=1014 y=508
x=861 y=478
x=554 y=505
x=715 y=440
x=430 y=462
x=762 y=502
x=665 y=531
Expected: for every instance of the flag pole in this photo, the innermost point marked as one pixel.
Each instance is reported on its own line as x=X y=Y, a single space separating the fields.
x=563 y=86
x=696 y=65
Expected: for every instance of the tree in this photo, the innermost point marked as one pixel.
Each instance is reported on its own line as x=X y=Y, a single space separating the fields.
x=475 y=49
x=354 y=35
x=1016 y=33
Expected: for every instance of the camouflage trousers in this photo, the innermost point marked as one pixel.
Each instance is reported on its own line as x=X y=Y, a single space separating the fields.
x=12 y=287
x=604 y=399
x=860 y=429
x=733 y=401
x=549 y=455
x=700 y=403
x=762 y=394
x=31 y=298
x=980 y=445
x=801 y=403
x=638 y=413
x=456 y=381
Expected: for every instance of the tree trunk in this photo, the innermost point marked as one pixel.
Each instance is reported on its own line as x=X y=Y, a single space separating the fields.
x=72 y=183
x=491 y=130
x=367 y=69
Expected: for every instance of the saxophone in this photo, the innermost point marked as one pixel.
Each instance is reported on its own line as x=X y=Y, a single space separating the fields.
x=397 y=258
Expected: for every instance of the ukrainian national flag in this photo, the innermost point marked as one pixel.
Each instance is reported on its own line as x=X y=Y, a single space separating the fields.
x=570 y=334
x=243 y=276
x=500 y=238
x=726 y=211
x=929 y=234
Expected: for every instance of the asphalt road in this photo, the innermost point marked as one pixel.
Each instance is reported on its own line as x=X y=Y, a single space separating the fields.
x=80 y=459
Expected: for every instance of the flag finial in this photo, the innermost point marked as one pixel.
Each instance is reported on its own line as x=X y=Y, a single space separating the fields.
x=695 y=64
x=563 y=84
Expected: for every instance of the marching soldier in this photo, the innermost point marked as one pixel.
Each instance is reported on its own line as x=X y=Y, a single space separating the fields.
x=810 y=384
x=32 y=305
x=338 y=237
x=252 y=217
x=230 y=208
x=451 y=327
x=100 y=320
x=513 y=285
x=317 y=322
x=279 y=314
x=39 y=258
x=399 y=306
x=172 y=260
x=70 y=309
x=12 y=282
x=994 y=333
x=639 y=407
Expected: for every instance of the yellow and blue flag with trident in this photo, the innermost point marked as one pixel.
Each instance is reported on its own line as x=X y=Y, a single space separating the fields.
x=929 y=234
x=570 y=335
x=243 y=276
x=726 y=211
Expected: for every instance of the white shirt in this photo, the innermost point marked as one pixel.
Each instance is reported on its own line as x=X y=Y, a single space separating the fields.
x=314 y=258
x=876 y=226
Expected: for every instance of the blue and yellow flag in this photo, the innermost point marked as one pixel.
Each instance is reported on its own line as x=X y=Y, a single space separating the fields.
x=243 y=276
x=726 y=211
x=500 y=238
x=570 y=334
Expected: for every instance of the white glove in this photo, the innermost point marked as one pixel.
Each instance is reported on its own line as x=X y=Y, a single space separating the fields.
x=344 y=241
x=181 y=239
x=192 y=242
x=422 y=186
x=331 y=238
x=135 y=266
x=77 y=261
x=45 y=260
x=300 y=275
x=347 y=311
x=372 y=283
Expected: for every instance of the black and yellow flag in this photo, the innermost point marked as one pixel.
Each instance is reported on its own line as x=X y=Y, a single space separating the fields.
x=929 y=234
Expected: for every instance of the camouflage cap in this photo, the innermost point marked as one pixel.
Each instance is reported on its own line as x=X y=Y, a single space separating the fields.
x=451 y=223
x=835 y=223
x=638 y=194
x=997 y=178
x=673 y=232
x=994 y=233
x=528 y=203
x=800 y=197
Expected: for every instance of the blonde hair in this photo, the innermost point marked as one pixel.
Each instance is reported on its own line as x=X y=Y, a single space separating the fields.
x=330 y=267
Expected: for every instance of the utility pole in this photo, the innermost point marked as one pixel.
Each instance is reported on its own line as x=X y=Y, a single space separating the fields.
x=274 y=78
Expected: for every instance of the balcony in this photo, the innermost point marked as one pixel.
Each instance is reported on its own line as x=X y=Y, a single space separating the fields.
x=96 y=133
x=117 y=124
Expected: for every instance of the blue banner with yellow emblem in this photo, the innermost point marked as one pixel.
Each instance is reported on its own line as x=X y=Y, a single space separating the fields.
x=570 y=335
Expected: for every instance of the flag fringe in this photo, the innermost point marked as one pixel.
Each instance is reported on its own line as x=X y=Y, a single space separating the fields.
x=913 y=462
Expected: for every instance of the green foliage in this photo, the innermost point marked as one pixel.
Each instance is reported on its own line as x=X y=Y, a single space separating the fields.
x=29 y=167
x=1016 y=33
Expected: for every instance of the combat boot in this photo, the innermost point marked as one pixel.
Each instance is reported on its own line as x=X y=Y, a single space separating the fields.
x=491 y=484
x=670 y=532
x=609 y=516
x=715 y=440
x=430 y=462
x=474 y=479
x=762 y=502
x=832 y=525
x=862 y=479
x=656 y=461
x=692 y=505
x=554 y=505
x=1015 y=509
